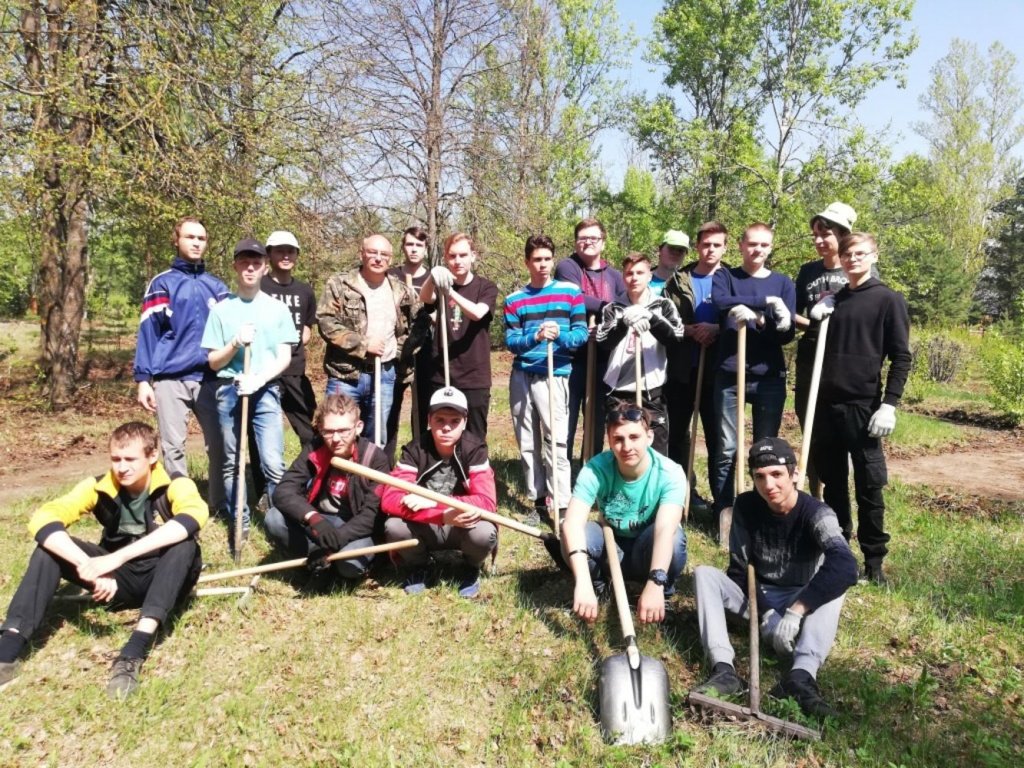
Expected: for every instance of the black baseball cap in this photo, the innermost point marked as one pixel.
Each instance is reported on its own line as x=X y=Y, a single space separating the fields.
x=771 y=452
x=250 y=247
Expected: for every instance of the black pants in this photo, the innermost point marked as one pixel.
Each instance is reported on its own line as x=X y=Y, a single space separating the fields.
x=156 y=583
x=841 y=430
x=801 y=391
x=680 y=412
x=298 y=401
x=424 y=369
x=654 y=403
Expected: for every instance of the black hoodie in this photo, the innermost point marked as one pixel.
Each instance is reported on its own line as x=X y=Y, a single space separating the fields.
x=870 y=324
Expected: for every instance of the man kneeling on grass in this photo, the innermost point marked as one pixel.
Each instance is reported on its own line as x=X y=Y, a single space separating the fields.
x=803 y=567
x=640 y=494
x=446 y=459
x=148 y=554
x=320 y=509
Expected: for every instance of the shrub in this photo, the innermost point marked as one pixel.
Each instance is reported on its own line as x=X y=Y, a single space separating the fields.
x=939 y=358
x=1004 y=368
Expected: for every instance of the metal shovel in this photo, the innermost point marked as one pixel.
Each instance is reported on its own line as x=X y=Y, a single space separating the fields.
x=633 y=689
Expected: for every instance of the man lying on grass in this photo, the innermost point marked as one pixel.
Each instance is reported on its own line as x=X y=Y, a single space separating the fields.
x=320 y=509
x=640 y=494
x=446 y=459
x=803 y=567
x=148 y=555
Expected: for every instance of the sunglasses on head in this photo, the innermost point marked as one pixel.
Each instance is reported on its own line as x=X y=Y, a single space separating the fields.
x=624 y=414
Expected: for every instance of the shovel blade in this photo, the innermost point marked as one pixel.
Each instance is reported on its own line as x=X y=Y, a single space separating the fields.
x=634 y=702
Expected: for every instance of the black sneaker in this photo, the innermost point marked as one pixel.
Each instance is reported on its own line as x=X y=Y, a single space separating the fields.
x=124 y=677
x=723 y=681
x=798 y=684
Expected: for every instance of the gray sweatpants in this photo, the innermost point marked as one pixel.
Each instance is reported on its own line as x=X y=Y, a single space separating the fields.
x=174 y=399
x=475 y=543
x=531 y=418
x=716 y=593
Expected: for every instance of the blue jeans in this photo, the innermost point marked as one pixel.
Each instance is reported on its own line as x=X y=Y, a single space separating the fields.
x=634 y=554
x=294 y=537
x=361 y=391
x=265 y=422
x=767 y=397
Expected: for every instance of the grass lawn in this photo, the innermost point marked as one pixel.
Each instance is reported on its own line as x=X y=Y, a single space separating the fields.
x=927 y=673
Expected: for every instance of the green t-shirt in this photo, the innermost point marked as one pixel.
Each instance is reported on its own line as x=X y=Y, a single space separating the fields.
x=132 y=513
x=629 y=507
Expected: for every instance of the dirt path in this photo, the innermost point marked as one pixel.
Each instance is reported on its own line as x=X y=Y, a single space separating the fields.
x=996 y=472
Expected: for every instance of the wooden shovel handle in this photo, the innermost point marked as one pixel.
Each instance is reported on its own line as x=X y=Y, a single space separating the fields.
x=300 y=561
x=812 y=400
x=446 y=501
x=755 y=638
x=611 y=551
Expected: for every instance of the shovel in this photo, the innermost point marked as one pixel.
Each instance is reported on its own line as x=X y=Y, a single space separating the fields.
x=633 y=689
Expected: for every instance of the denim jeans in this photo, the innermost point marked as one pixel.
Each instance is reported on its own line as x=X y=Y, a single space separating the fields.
x=294 y=537
x=361 y=391
x=634 y=554
x=265 y=421
x=767 y=397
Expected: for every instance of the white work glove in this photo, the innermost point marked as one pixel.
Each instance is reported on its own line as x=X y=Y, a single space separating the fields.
x=769 y=620
x=786 y=631
x=642 y=326
x=248 y=383
x=442 y=278
x=245 y=336
x=634 y=312
x=825 y=307
x=783 y=318
x=883 y=421
x=741 y=315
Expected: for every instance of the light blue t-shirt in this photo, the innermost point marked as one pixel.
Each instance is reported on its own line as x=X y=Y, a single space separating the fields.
x=273 y=323
x=657 y=285
x=630 y=506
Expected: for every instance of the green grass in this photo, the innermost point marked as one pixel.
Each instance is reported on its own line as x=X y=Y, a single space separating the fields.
x=927 y=673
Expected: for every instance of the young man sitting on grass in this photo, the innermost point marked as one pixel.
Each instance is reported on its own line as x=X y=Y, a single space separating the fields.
x=446 y=459
x=148 y=555
x=803 y=568
x=640 y=495
x=320 y=509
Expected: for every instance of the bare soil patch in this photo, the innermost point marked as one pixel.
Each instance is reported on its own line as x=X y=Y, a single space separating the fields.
x=991 y=468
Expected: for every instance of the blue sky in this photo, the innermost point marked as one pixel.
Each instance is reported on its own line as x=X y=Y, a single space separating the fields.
x=937 y=23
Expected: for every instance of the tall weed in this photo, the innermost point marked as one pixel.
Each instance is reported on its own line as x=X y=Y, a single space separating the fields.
x=1004 y=369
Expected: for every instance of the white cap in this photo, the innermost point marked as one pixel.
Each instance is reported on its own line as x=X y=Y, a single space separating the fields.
x=449 y=397
x=282 y=237
x=839 y=213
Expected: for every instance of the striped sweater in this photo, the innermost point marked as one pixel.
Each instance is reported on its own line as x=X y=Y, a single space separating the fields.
x=527 y=309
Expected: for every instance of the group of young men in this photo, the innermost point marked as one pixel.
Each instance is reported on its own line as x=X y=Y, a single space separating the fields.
x=653 y=327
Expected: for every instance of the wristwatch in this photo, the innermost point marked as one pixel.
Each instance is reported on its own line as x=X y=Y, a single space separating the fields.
x=659 y=577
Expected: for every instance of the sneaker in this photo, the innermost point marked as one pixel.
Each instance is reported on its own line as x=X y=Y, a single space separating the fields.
x=469 y=586
x=415 y=582
x=799 y=685
x=699 y=505
x=124 y=677
x=8 y=671
x=723 y=681
x=873 y=574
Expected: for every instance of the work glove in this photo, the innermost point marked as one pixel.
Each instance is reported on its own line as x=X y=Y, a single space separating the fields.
x=769 y=621
x=245 y=336
x=324 y=533
x=786 y=631
x=883 y=421
x=443 y=279
x=248 y=383
x=641 y=326
x=825 y=307
x=634 y=312
x=783 y=318
x=416 y=502
x=741 y=315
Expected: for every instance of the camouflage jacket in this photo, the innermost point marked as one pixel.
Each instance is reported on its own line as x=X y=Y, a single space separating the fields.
x=341 y=318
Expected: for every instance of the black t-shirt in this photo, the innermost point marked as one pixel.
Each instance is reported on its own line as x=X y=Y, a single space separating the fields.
x=301 y=302
x=469 y=341
x=417 y=282
x=333 y=498
x=813 y=283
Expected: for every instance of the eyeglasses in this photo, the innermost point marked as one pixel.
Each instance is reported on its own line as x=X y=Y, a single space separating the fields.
x=624 y=414
x=327 y=434
x=856 y=255
x=372 y=254
x=597 y=239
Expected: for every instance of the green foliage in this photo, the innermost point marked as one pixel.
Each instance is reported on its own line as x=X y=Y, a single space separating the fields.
x=17 y=254
x=1000 y=291
x=1004 y=368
